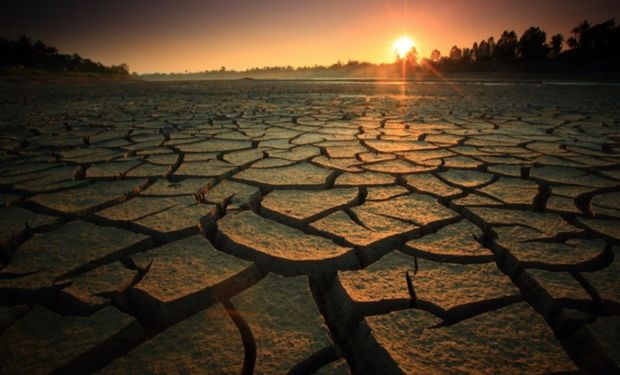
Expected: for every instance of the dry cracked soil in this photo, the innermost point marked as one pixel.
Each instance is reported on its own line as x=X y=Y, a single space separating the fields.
x=277 y=227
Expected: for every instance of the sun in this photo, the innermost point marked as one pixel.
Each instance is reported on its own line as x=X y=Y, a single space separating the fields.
x=403 y=45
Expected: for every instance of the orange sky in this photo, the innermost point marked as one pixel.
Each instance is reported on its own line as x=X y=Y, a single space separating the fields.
x=193 y=35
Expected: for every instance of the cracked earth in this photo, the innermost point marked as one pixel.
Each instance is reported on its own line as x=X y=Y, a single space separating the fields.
x=304 y=227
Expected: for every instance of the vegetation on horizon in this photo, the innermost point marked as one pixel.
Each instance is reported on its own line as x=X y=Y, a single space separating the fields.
x=590 y=48
x=24 y=54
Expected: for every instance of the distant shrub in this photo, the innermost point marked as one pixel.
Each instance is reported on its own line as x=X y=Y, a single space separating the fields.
x=24 y=53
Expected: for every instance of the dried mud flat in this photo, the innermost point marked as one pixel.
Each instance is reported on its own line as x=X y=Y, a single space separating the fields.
x=309 y=227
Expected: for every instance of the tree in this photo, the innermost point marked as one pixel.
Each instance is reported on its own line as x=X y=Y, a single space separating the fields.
x=474 y=50
x=467 y=55
x=533 y=45
x=435 y=55
x=600 y=41
x=555 y=46
x=122 y=69
x=491 y=44
x=456 y=53
x=23 y=53
x=484 y=50
x=581 y=36
x=506 y=47
x=412 y=56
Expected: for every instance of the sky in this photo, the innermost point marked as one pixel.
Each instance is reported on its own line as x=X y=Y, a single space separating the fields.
x=196 y=35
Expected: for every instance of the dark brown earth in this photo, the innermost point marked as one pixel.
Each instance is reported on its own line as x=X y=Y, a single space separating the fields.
x=309 y=227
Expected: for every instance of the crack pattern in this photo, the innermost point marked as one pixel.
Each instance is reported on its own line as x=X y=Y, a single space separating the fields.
x=270 y=227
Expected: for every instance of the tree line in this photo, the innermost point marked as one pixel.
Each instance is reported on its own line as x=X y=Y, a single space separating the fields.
x=590 y=48
x=595 y=46
x=23 y=53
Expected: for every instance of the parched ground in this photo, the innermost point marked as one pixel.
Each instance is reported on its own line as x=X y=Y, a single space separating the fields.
x=302 y=227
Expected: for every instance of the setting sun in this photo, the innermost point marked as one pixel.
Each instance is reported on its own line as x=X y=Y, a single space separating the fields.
x=403 y=45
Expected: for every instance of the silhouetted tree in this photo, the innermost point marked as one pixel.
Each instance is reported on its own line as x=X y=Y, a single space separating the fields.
x=435 y=55
x=23 y=53
x=600 y=41
x=581 y=36
x=506 y=47
x=412 y=57
x=533 y=45
x=491 y=44
x=555 y=45
x=456 y=53
x=466 y=55
x=484 y=50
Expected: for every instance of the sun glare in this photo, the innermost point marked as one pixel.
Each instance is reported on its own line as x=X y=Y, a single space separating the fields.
x=403 y=45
